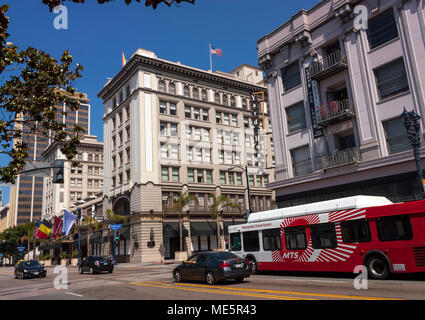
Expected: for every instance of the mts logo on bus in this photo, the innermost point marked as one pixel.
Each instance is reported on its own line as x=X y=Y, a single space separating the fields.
x=290 y=255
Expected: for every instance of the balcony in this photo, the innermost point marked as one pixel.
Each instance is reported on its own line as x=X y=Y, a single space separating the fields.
x=341 y=158
x=335 y=111
x=327 y=66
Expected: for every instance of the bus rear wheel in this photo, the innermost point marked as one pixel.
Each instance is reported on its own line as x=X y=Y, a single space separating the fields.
x=377 y=268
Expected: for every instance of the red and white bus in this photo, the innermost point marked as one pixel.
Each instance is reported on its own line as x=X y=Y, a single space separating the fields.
x=336 y=235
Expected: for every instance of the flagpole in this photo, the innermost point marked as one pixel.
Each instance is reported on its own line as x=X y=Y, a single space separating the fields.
x=210 y=58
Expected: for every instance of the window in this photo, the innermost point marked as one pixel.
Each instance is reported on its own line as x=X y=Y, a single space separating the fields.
x=186 y=92
x=195 y=93
x=225 y=100
x=394 y=228
x=204 y=114
x=174 y=151
x=382 y=29
x=208 y=174
x=207 y=155
x=173 y=129
x=200 y=176
x=232 y=101
x=355 y=231
x=323 y=236
x=163 y=129
x=218 y=117
x=246 y=122
x=301 y=161
x=226 y=118
x=175 y=172
x=173 y=109
x=239 y=179
x=396 y=135
x=291 y=76
x=196 y=113
x=244 y=103
x=271 y=239
x=164 y=174
x=296 y=117
x=161 y=86
x=391 y=79
x=217 y=97
x=222 y=177
x=234 y=120
x=251 y=241
x=191 y=175
x=235 y=242
x=231 y=178
x=204 y=95
x=172 y=88
x=164 y=151
x=187 y=112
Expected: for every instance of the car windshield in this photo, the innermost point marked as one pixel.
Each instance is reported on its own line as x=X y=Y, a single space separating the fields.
x=30 y=263
x=225 y=256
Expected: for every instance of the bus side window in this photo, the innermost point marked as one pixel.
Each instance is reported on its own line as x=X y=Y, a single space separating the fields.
x=355 y=231
x=271 y=239
x=251 y=241
x=323 y=236
x=235 y=242
x=295 y=238
x=394 y=228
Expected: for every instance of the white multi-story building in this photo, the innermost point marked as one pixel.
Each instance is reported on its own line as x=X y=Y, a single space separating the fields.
x=169 y=127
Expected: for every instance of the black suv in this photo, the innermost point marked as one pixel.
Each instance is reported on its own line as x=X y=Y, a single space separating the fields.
x=96 y=264
x=29 y=269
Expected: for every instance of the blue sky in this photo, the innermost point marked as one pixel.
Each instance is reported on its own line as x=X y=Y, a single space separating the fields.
x=97 y=34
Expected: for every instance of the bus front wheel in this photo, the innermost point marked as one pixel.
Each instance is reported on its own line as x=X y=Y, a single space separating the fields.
x=377 y=268
x=253 y=263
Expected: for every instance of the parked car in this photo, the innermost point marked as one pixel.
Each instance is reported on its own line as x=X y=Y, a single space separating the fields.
x=29 y=269
x=212 y=267
x=96 y=264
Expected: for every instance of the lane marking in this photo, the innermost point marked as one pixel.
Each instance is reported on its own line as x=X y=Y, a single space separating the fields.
x=168 y=286
x=73 y=294
x=311 y=294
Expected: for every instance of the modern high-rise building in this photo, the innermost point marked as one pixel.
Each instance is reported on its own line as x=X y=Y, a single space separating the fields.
x=80 y=182
x=171 y=128
x=26 y=196
x=337 y=89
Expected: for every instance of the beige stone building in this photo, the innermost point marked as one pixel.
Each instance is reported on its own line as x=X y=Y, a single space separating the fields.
x=169 y=127
x=80 y=182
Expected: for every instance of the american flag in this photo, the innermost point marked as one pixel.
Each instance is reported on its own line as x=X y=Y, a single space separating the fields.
x=57 y=227
x=216 y=51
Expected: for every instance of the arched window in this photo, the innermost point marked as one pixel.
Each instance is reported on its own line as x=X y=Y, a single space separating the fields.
x=217 y=97
x=195 y=93
x=186 y=92
x=204 y=95
x=225 y=100
x=232 y=101
x=172 y=88
x=161 y=86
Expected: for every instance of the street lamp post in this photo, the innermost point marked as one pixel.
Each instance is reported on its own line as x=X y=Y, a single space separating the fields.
x=247 y=184
x=411 y=122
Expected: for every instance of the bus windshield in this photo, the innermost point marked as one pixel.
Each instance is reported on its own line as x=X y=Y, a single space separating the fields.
x=235 y=242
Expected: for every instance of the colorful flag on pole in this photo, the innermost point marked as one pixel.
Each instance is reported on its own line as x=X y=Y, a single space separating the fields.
x=216 y=51
x=36 y=228
x=68 y=221
x=123 y=60
x=44 y=229
x=57 y=227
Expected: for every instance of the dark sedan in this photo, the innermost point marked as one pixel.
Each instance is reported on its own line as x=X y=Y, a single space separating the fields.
x=96 y=264
x=212 y=267
x=29 y=269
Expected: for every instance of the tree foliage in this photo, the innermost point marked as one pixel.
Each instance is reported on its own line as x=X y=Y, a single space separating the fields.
x=148 y=3
x=33 y=84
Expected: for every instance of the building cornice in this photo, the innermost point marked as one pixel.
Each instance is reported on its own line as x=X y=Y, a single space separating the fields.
x=162 y=65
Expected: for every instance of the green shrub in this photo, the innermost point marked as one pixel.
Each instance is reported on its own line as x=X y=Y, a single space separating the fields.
x=64 y=255
x=74 y=254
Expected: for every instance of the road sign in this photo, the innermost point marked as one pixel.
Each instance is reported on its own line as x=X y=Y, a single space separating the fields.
x=21 y=249
x=115 y=226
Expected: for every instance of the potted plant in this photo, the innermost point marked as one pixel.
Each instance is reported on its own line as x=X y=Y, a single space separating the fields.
x=74 y=258
x=64 y=256
x=47 y=260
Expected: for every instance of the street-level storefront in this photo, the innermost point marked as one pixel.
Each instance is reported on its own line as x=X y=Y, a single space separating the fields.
x=203 y=235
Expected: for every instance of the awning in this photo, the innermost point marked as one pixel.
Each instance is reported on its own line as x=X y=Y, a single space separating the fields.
x=171 y=229
x=203 y=228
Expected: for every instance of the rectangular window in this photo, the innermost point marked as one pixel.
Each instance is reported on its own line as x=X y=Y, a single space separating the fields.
x=222 y=177
x=205 y=115
x=394 y=228
x=208 y=174
x=239 y=179
x=271 y=239
x=391 y=79
x=301 y=160
x=382 y=29
x=231 y=178
x=191 y=175
x=207 y=155
x=235 y=242
x=291 y=76
x=218 y=117
x=196 y=113
x=234 y=120
x=163 y=129
x=200 y=176
x=355 y=231
x=226 y=118
x=323 y=236
x=296 y=238
x=176 y=177
x=187 y=112
x=174 y=151
x=251 y=241
x=164 y=174
x=296 y=117
x=164 y=151
x=396 y=135
x=173 y=129
x=173 y=109
x=162 y=107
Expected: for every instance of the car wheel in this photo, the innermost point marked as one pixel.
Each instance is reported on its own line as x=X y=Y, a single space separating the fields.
x=80 y=269
x=16 y=275
x=377 y=268
x=110 y=271
x=239 y=280
x=177 y=276
x=91 y=270
x=210 y=278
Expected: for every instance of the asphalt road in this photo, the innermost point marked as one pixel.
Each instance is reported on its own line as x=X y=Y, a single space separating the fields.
x=155 y=282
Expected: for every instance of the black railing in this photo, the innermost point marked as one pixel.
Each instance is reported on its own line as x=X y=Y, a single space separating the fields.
x=326 y=63
x=341 y=157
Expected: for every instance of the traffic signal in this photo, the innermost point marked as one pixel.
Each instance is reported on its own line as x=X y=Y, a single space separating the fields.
x=79 y=213
x=58 y=171
x=117 y=235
